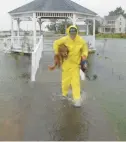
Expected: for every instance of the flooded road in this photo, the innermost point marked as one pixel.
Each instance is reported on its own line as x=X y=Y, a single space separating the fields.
x=35 y=111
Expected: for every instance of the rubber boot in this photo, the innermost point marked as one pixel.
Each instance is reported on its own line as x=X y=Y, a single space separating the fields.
x=77 y=103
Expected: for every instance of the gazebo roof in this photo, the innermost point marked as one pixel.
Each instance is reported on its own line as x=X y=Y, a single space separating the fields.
x=52 y=6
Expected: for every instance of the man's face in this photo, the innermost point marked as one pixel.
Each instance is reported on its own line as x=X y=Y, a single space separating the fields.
x=73 y=33
x=73 y=36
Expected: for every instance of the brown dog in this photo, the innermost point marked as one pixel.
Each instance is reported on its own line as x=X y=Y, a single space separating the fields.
x=60 y=57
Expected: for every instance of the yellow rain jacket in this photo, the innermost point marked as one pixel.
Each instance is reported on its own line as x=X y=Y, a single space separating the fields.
x=71 y=67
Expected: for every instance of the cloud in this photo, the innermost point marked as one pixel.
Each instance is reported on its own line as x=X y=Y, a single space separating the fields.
x=5 y=7
x=102 y=7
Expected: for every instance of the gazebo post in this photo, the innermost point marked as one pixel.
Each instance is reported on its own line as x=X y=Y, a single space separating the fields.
x=65 y=25
x=40 y=26
x=12 y=31
x=18 y=30
x=87 y=29
x=34 y=29
x=74 y=19
x=93 y=32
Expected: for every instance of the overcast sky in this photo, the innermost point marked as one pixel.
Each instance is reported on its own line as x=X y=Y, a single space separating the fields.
x=102 y=7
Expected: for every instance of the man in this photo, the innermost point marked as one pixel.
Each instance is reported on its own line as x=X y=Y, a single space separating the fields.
x=78 y=51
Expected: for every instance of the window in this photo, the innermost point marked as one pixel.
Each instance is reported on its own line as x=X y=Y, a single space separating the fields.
x=113 y=22
x=120 y=29
x=120 y=23
x=109 y=22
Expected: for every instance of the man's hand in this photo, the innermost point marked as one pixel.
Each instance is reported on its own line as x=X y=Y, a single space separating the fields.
x=84 y=64
x=83 y=58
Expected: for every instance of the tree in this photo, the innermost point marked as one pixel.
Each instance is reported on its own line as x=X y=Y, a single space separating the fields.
x=97 y=25
x=117 y=11
x=59 y=27
x=51 y=27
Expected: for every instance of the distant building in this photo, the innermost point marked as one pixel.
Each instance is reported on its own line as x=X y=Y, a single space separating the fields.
x=113 y=24
x=8 y=33
x=5 y=33
x=22 y=33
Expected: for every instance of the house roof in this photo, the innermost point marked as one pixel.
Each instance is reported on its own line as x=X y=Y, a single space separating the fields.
x=111 y=17
x=52 y=6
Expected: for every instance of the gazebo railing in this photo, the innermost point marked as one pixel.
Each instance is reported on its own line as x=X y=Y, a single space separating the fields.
x=24 y=41
x=21 y=43
x=36 y=56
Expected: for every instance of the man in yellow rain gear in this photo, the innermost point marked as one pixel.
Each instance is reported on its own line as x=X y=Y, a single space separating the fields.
x=78 y=51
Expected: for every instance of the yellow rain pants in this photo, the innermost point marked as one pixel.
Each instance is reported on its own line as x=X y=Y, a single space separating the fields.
x=71 y=67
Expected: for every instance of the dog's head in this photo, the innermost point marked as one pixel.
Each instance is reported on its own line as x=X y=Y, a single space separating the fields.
x=63 y=51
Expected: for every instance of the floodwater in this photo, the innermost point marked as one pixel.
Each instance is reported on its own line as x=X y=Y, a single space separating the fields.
x=34 y=111
x=14 y=76
x=109 y=64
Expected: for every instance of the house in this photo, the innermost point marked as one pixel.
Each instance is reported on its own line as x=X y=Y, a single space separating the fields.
x=113 y=24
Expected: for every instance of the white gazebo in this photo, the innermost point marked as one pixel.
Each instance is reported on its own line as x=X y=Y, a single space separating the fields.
x=39 y=11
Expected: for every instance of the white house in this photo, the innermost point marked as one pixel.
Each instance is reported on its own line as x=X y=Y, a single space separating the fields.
x=113 y=24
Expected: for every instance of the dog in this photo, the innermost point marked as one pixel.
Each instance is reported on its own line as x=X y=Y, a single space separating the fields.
x=60 y=57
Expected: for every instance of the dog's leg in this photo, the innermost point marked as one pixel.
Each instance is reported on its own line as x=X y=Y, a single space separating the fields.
x=51 y=68
x=56 y=58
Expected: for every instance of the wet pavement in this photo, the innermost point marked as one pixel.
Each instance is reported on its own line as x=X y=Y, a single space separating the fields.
x=14 y=97
x=35 y=111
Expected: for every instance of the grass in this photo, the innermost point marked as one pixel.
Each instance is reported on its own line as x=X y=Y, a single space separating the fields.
x=82 y=33
x=123 y=36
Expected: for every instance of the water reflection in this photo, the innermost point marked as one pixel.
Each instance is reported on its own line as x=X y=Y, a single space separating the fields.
x=72 y=124
x=12 y=129
x=90 y=73
x=13 y=90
